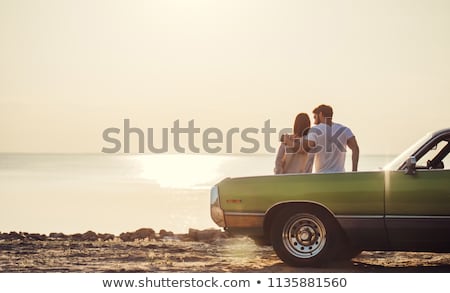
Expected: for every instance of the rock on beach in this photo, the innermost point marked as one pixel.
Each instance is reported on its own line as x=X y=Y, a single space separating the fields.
x=207 y=235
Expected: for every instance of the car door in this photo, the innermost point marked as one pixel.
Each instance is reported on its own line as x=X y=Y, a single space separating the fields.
x=417 y=206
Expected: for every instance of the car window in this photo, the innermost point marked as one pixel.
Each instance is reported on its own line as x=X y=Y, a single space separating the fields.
x=436 y=157
x=446 y=161
x=400 y=159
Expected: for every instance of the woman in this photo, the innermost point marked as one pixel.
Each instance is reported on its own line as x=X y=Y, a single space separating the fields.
x=291 y=157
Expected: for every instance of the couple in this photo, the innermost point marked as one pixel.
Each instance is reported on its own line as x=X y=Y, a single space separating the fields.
x=325 y=143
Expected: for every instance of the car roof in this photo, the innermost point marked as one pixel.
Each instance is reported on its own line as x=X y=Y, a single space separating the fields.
x=440 y=132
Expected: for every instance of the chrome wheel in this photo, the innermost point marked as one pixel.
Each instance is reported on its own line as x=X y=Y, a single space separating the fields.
x=304 y=236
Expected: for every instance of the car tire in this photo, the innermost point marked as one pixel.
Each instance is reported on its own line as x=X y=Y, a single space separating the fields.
x=305 y=236
x=346 y=254
x=354 y=252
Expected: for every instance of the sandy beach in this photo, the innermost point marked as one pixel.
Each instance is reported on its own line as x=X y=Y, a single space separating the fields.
x=196 y=251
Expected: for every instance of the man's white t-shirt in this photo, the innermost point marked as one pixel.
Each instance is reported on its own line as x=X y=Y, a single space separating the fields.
x=331 y=146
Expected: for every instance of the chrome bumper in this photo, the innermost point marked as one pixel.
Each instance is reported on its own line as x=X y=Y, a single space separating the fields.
x=217 y=214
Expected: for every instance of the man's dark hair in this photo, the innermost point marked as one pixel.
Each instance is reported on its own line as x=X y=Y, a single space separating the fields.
x=326 y=110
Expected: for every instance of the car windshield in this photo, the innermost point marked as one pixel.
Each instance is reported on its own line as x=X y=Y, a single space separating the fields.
x=400 y=159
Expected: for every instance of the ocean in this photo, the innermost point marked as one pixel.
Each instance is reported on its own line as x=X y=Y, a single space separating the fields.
x=74 y=193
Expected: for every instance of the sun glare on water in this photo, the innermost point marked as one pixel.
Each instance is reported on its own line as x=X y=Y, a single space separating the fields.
x=181 y=171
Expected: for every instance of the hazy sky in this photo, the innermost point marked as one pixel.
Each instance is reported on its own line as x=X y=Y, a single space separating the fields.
x=70 y=69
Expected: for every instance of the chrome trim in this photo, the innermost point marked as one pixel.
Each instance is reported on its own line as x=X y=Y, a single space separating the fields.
x=360 y=217
x=418 y=217
x=347 y=216
x=244 y=214
x=217 y=214
x=214 y=194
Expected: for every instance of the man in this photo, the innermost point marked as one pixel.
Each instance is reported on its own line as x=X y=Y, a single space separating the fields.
x=328 y=141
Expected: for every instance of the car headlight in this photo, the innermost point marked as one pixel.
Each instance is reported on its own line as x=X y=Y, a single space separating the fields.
x=216 y=211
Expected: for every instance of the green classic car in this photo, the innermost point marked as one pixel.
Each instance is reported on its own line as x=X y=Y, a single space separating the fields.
x=311 y=219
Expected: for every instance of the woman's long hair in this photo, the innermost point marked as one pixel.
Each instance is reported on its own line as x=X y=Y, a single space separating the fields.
x=302 y=124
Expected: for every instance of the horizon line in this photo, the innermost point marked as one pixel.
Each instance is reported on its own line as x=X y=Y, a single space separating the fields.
x=167 y=153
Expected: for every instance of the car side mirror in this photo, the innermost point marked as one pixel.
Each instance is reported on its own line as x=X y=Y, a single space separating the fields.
x=411 y=165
